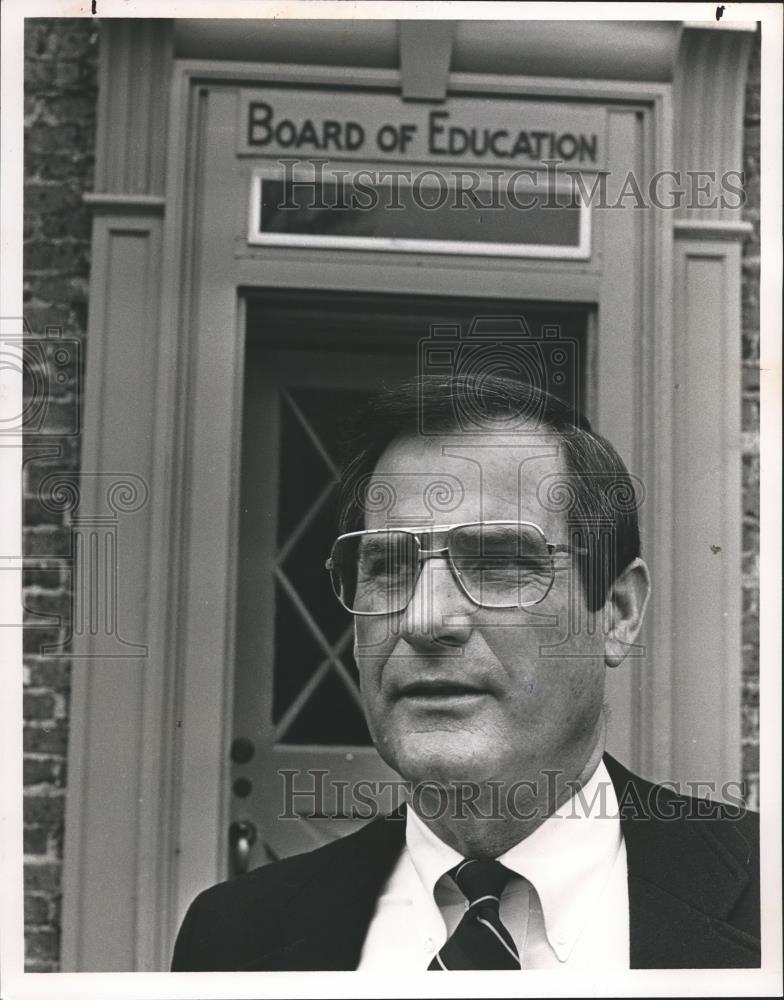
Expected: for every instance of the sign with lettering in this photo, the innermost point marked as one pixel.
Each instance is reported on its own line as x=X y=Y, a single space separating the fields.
x=343 y=125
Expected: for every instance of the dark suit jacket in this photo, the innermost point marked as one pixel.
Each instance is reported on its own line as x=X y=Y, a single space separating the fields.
x=693 y=892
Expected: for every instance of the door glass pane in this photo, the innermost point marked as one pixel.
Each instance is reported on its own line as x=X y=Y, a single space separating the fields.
x=325 y=211
x=315 y=693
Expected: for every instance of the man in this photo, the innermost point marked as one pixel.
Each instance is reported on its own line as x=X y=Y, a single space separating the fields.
x=490 y=555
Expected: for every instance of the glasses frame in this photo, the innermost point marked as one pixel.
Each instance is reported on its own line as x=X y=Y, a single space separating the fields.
x=553 y=548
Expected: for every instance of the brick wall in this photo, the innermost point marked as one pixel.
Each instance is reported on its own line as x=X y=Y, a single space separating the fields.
x=751 y=475
x=60 y=96
x=60 y=82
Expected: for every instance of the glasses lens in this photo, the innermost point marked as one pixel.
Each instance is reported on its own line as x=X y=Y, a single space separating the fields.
x=375 y=572
x=502 y=565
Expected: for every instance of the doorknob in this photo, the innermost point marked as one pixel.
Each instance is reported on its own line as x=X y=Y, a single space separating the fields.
x=242 y=836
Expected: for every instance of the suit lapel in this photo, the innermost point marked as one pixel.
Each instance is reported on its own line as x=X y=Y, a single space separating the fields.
x=324 y=922
x=683 y=883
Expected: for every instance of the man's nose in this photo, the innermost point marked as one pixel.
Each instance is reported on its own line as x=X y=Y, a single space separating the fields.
x=439 y=613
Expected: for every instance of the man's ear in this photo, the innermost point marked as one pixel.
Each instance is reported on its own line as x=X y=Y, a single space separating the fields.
x=624 y=611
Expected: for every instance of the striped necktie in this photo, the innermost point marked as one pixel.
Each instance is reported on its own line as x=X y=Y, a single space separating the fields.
x=480 y=940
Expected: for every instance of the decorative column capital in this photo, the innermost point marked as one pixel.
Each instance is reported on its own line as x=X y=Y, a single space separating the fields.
x=136 y=60
x=709 y=92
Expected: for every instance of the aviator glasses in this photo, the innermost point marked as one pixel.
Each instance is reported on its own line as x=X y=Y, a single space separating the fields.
x=497 y=564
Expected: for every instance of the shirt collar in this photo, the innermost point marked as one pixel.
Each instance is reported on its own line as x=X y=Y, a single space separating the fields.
x=568 y=859
x=430 y=856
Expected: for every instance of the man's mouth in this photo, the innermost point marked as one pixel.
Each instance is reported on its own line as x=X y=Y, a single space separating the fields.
x=440 y=689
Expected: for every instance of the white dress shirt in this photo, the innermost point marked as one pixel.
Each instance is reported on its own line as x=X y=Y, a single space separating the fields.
x=568 y=909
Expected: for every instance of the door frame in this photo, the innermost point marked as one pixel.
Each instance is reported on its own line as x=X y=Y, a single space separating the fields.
x=207 y=606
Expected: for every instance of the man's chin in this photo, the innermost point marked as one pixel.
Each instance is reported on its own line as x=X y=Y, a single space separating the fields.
x=442 y=761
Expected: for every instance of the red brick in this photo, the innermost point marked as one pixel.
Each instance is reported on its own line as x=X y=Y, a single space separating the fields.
x=51 y=738
x=751 y=245
x=59 y=416
x=42 y=944
x=751 y=378
x=38 y=465
x=47 y=542
x=750 y=625
x=43 y=876
x=36 y=840
x=37 y=909
x=41 y=315
x=39 y=75
x=63 y=256
x=41 y=199
x=55 y=604
x=38 y=37
x=32 y=228
x=750 y=659
x=73 y=39
x=751 y=478
x=59 y=288
x=750 y=722
x=54 y=167
x=60 y=99
x=751 y=147
x=52 y=672
x=45 y=770
x=38 y=706
x=750 y=304
x=34 y=513
x=750 y=565
x=42 y=138
x=751 y=413
x=34 y=109
x=76 y=107
x=750 y=758
x=75 y=224
x=37 y=639
x=50 y=577
x=43 y=809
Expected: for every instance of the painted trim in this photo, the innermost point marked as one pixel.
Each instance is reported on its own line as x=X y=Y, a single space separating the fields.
x=707 y=355
x=426 y=49
x=113 y=798
x=709 y=229
x=134 y=80
x=141 y=204
x=594 y=50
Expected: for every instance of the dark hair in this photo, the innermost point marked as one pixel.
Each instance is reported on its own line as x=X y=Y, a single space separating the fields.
x=596 y=493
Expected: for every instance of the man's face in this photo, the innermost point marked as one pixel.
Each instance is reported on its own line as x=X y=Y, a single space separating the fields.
x=456 y=692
